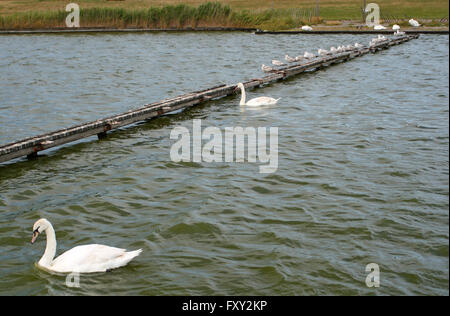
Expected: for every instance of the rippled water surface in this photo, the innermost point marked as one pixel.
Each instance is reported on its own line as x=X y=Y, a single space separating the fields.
x=362 y=177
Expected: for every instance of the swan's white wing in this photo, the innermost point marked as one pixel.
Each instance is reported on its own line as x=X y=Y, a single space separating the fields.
x=261 y=101
x=92 y=258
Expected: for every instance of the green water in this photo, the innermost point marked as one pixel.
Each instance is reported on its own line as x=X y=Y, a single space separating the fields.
x=362 y=168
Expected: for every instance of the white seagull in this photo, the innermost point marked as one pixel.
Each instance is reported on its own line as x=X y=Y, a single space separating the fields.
x=290 y=59
x=266 y=68
x=379 y=27
x=278 y=63
x=308 y=55
x=322 y=52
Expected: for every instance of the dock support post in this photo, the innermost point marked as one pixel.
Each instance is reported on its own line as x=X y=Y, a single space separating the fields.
x=32 y=156
x=102 y=135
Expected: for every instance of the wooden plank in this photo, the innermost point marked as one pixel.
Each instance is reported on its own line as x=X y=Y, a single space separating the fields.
x=31 y=146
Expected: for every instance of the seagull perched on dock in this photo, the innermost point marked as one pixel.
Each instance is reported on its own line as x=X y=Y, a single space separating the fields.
x=414 y=23
x=278 y=63
x=290 y=59
x=266 y=68
x=399 y=33
x=308 y=55
x=299 y=58
x=350 y=47
x=358 y=45
x=322 y=52
x=333 y=50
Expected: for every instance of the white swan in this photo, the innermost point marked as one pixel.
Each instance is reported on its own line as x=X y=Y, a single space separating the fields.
x=256 y=101
x=396 y=27
x=307 y=28
x=82 y=259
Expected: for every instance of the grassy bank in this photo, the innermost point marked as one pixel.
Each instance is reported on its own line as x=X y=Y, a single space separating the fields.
x=286 y=14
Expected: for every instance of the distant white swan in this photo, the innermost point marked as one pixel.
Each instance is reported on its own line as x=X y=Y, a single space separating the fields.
x=256 y=101
x=379 y=27
x=396 y=27
x=82 y=259
x=414 y=23
x=307 y=28
x=266 y=68
x=278 y=63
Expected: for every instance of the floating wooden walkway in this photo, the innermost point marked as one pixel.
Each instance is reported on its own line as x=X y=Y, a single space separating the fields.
x=31 y=146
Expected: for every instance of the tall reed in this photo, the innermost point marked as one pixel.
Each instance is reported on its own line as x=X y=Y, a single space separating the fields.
x=181 y=16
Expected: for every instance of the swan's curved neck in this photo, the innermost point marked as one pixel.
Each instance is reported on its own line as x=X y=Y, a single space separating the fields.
x=243 y=96
x=50 y=249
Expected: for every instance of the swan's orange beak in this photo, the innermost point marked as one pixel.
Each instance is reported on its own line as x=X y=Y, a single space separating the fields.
x=35 y=236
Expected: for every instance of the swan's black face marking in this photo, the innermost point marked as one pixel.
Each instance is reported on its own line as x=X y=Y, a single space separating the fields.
x=35 y=235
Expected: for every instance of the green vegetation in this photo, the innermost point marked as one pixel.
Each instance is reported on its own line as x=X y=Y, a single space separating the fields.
x=287 y=14
x=210 y=14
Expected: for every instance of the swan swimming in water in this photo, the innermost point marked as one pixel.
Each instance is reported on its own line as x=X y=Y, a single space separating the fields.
x=82 y=259
x=256 y=101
